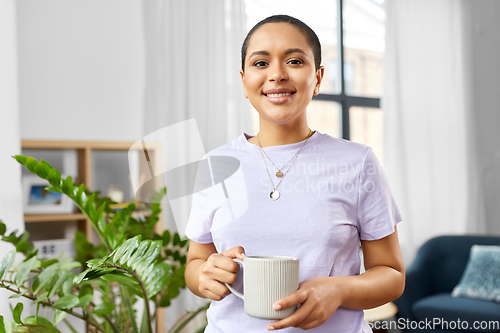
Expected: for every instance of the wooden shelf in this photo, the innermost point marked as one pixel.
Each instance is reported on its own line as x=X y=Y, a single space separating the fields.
x=53 y=217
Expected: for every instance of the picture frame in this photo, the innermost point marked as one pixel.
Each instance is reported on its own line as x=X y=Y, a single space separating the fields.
x=37 y=200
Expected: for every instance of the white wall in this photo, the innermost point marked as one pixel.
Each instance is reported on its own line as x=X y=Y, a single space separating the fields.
x=81 y=69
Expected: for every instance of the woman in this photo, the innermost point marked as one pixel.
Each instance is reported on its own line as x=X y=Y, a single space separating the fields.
x=308 y=195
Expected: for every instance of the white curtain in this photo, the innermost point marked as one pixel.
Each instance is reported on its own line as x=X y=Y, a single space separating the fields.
x=10 y=144
x=433 y=139
x=194 y=100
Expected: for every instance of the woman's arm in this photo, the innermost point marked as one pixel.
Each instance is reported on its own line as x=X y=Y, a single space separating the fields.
x=206 y=269
x=384 y=278
x=382 y=282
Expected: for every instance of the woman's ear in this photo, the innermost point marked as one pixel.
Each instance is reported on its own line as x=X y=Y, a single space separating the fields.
x=319 y=77
x=243 y=81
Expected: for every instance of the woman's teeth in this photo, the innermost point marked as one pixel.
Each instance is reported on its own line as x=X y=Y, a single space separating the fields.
x=278 y=95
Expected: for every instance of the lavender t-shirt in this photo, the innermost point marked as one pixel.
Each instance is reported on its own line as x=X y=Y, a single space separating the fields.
x=334 y=195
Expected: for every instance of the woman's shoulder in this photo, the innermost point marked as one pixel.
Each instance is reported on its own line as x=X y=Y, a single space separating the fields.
x=343 y=146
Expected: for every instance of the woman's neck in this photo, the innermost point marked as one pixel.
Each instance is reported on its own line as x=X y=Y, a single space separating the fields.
x=280 y=136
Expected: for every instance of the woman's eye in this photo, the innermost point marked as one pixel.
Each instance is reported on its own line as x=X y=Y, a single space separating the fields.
x=260 y=63
x=295 y=62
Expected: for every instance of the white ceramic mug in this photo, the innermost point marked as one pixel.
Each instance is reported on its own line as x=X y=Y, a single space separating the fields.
x=267 y=279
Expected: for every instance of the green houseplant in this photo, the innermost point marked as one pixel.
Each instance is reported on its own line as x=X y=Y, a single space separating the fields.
x=103 y=282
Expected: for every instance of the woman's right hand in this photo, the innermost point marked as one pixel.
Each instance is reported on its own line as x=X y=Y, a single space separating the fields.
x=219 y=268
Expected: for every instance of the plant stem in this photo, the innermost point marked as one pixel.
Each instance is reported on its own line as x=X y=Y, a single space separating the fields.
x=72 y=329
x=126 y=297
x=96 y=228
x=188 y=319
x=146 y=299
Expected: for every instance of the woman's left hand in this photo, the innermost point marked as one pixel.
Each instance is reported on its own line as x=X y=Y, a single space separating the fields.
x=319 y=298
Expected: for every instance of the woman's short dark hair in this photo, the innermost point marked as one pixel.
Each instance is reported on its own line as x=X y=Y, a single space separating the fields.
x=310 y=35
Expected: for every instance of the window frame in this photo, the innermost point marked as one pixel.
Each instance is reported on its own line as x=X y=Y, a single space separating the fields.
x=345 y=101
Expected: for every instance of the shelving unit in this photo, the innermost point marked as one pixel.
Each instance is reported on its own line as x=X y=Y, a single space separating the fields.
x=84 y=151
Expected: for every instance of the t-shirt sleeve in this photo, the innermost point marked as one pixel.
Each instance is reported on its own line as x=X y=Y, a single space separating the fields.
x=199 y=223
x=377 y=210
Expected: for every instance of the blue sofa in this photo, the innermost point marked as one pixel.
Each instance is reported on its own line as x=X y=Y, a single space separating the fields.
x=437 y=269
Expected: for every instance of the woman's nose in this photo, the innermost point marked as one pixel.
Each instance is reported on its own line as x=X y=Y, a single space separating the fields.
x=277 y=73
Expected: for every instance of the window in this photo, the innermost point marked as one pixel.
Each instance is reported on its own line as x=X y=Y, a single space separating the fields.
x=348 y=105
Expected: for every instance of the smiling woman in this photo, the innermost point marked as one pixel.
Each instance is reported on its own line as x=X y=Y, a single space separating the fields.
x=318 y=215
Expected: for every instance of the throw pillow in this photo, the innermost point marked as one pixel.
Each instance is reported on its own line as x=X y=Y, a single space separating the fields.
x=481 y=278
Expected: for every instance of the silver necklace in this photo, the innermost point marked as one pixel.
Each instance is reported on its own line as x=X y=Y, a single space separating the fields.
x=275 y=194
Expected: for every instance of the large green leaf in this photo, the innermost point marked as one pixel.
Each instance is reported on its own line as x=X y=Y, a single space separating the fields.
x=103 y=308
x=66 y=302
x=16 y=313
x=24 y=270
x=3 y=228
x=7 y=263
x=158 y=279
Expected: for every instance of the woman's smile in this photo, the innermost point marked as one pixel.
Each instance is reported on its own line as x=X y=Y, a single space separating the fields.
x=279 y=96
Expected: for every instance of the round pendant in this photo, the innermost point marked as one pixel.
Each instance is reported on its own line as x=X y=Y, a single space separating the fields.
x=279 y=174
x=275 y=195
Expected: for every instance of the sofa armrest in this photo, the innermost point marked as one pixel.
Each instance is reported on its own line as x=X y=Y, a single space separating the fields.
x=418 y=285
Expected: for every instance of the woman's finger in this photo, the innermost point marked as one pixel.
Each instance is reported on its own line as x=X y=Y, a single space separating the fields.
x=294 y=299
x=216 y=288
x=235 y=252
x=294 y=319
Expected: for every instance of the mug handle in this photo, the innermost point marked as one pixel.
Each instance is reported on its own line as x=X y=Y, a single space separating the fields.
x=230 y=286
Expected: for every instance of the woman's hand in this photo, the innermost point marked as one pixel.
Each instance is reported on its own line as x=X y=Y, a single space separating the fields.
x=319 y=298
x=218 y=268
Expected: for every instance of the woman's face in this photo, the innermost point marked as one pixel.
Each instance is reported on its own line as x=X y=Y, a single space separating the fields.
x=280 y=78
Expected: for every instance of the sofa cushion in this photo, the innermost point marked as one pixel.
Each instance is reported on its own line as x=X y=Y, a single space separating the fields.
x=481 y=278
x=449 y=309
